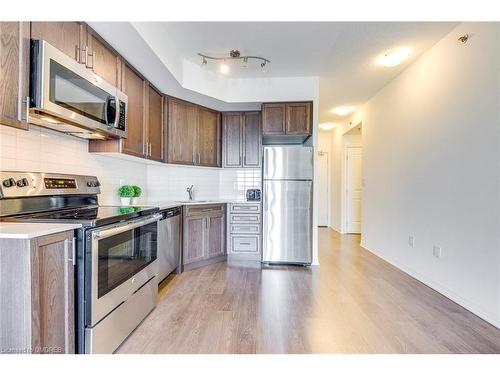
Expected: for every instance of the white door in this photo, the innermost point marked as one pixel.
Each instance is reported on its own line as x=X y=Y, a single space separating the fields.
x=323 y=201
x=353 y=189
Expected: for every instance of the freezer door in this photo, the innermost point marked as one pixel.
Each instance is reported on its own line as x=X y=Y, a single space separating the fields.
x=288 y=163
x=287 y=222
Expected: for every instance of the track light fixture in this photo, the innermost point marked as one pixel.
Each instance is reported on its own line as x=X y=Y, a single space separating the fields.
x=234 y=54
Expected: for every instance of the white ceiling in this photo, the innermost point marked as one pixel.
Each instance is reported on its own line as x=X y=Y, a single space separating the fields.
x=342 y=54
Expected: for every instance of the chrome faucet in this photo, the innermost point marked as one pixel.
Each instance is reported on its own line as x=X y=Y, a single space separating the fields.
x=190 y=191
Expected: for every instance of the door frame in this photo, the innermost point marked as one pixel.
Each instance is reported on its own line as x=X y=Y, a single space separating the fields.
x=343 y=190
x=328 y=224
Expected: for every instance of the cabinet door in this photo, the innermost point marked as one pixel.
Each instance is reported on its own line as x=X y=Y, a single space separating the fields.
x=208 y=138
x=65 y=36
x=102 y=59
x=216 y=242
x=14 y=73
x=251 y=139
x=133 y=86
x=155 y=125
x=232 y=139
x=52 y=282
x=273 y=118
x=194 y=239
x=181 y=132
x=298 y=118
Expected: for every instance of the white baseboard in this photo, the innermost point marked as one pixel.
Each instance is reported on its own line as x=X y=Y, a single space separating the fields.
x=473 y=308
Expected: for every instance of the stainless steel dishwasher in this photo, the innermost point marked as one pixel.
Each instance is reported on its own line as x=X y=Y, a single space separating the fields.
x=169 y=242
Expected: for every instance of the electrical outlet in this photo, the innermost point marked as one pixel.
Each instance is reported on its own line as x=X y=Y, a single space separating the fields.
x=411 y=241
x=437 y=252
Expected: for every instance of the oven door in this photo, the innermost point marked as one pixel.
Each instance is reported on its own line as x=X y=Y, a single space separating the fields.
x=123 y=259
x=63 y=89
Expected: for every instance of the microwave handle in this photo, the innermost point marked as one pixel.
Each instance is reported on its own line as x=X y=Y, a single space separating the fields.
x=104 y=233
x=109 y=122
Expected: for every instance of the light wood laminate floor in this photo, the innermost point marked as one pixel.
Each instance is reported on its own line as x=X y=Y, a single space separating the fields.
x=353 y=303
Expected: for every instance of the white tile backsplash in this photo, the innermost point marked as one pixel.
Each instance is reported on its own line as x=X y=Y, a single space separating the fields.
x=44 y=150
x=169 y=182
x=235 y=182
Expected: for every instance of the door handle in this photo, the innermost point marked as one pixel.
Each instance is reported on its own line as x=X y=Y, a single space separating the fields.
x=26 y=102
x=85 y=52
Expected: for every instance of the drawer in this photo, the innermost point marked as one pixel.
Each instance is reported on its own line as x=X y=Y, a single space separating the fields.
x=204 y=209
x=249 y=218
x=245 y=244
x=245 y=228
x=245 y=208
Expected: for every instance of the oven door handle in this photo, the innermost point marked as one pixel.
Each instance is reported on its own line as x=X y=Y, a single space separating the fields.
x=104 y=233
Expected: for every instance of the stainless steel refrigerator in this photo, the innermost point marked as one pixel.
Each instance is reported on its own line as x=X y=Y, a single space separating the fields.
x=287 y=204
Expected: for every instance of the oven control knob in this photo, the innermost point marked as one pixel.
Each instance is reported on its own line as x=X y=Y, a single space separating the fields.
x=89 y=183
x=9 y=182
x=22 y=182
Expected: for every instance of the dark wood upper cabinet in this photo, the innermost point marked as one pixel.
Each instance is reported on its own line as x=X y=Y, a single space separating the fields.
x=273 y=118
x=208 y=138
x=252 y=140
x=182 y=129
x=292 y=119
x=155 y=125
x=102 y=59
x=298 y=118
x=14 y=73
x=241 y=139
x=232 y=136
x=68 y=37
x=134 y=87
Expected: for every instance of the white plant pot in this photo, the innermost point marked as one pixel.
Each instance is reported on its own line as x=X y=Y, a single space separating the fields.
x=126 y=201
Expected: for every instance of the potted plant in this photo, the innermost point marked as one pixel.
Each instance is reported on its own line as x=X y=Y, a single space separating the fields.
x=126 y=193
x=137 y=194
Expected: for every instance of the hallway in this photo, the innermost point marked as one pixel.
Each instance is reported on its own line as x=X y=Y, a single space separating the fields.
x=353 y=303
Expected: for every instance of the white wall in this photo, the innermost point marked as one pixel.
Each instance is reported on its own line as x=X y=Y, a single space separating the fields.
x=43 y=150
x=431 y=164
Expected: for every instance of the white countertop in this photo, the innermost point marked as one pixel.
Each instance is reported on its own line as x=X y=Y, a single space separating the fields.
x=169 y=204
x=32 y=230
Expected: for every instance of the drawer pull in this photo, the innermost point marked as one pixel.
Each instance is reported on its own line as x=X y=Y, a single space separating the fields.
x=245 y=243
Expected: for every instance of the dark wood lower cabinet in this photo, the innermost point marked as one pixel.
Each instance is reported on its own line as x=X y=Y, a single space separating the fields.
x=204 y=235
x=37 y=294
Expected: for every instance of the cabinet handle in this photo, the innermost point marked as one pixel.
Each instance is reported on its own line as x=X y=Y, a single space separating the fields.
x=85 y=52
x=245 y=243
x=26 y=102
x=144 y=149
x=93 y=59
x=149 y=149
x=71 y=259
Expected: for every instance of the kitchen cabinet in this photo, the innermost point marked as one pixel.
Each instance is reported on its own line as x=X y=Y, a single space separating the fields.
x=204 y=239
x=37 y=293
x=252 y=140
x=208 y=137
x=244 y=228
x=154 y=124
x=134 y=86
x=102 y=59
x=194 y=134
x=241 y=139
x=68 y=37
x=182 y=129
x=292 y=120
x=298 y=118
x=14 y=73
x=273 y=118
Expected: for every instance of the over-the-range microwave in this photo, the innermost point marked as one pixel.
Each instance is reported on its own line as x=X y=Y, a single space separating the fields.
x=68 y=97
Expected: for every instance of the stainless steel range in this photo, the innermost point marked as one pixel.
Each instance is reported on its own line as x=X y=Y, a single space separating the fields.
x=116 y=251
